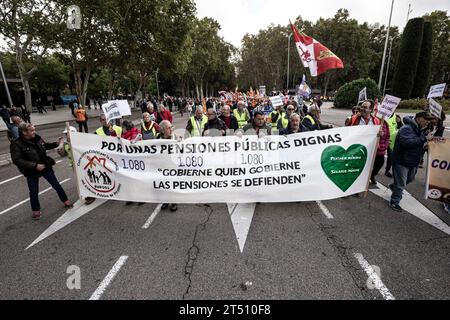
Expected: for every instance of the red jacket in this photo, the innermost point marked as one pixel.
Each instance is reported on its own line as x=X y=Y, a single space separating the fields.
x=131 y=134
x=383 y=143
x=165 y=115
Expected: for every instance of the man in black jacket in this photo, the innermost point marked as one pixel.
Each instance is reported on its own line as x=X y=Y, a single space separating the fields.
x=229 y=119
x=408 y=150
x=214 y=127
x=29 y=154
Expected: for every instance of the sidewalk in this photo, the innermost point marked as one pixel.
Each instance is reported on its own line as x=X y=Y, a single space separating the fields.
x=61 y=114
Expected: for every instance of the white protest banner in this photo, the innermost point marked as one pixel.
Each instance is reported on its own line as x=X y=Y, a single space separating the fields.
x=114 y=109
x=262 y=91
x=276 y=101
x=362 y=95
x=436 y=91
x=388 y=106
x=316 y=165
x=438 y=174
x=435 y=108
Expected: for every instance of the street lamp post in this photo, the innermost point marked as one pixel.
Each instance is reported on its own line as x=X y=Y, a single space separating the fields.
x=6 y=85
x=387 y=68
x=287 y=77
x=385 y=48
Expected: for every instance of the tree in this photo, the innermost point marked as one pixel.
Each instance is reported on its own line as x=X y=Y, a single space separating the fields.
x=29 y=28
x=424 y=65
x=440 y=66
x=408 y=58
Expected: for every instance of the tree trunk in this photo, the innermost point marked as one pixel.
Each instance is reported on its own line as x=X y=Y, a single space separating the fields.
x=196 y=89
x=327 y=80
x=85 y=85
x=27 y=93
x=25 y=78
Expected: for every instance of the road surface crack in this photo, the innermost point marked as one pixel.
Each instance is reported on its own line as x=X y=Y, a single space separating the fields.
x=194 y=250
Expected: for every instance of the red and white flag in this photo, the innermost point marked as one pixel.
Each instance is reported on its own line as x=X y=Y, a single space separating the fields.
x=315 y=55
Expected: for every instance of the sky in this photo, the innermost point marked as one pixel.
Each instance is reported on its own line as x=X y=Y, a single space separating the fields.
x=238 y=17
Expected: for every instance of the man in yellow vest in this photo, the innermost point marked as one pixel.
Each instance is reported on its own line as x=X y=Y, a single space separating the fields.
x=107 y=129
x=394 y=123
x=276 y=115
x=312 y=120
x=283 y=121
x=241 y=114
x=196 y=123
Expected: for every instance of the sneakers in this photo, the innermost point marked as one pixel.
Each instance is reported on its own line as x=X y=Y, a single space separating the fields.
x=388 y=174
x=68 y=204
x=164 y=206
x=36 y=215
x=173 y=207
x=396 y=207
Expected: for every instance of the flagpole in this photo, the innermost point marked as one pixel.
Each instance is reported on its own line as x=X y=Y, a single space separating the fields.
x=385 y=47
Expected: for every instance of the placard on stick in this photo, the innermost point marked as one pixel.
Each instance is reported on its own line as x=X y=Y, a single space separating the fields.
x=388 y=106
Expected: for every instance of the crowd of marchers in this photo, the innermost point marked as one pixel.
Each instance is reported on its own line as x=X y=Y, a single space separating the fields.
x=404 y=141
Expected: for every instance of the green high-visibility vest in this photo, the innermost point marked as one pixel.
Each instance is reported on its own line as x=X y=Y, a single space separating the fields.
x=117 y=129
x=195 y=130
x=284 y=121
x=392 y=124
x=241 y=118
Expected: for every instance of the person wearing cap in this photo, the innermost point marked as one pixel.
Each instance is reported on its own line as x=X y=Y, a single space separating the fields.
x=408 y=150
x=312 y=120
x=64 y=150
x=29 y=154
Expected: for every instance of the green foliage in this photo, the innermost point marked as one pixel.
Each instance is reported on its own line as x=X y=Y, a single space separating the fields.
x=347 y=95
x=424 y=66
x=408 y=59
x=420 y=104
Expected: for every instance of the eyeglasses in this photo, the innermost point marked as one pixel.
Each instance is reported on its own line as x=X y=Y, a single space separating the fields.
x=290 y=109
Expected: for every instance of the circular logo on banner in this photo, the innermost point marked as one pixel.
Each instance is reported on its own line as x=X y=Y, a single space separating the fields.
x=98 y=174
x=434 y=194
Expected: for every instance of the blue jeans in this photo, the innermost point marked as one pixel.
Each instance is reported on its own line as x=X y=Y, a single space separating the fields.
x=402 y=176
x=33 y=186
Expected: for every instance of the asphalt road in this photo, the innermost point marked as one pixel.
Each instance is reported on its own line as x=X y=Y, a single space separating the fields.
x=292 y=250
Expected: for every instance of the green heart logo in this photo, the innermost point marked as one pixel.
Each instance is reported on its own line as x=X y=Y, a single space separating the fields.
x=342 y=166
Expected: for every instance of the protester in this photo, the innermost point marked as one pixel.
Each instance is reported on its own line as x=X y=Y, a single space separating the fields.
x=166 y=132
x=383 y=145
x=355 y=111
x=258 y=126
x=214 y=126
x=394 y=123
x=129 y=131
x=4 y=113
x=229 y=119
x=163 y=114
x=14 y=128
x=29 y=154
x=64 y=150
x=108 y=129
x=312 y=120
x=25 y=114
x=196 y=123
x=283 y=121
x=40 y=106
x=365 y=117
x=408 y=150
x=241 y=114
x=295 y=125
x=81 y=119
x=275 y=115
x=149 y=128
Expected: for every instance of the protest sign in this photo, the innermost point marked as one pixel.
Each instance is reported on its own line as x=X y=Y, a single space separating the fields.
x=262 y=90
x=115 y=109
x=388 y=106
x=276 y=101
x=436 y=91
x=362 y=95
x=316 y=165
x=435 y=108
x=438 y=171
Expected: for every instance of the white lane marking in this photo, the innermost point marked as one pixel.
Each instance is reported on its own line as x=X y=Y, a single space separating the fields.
x=109 y=277
x=17 y=177
x=28 y=199
x=79 y=209
x=241 y=215
x=325 y=210
x=152 y=217
x=373 y=276
x=414 y=207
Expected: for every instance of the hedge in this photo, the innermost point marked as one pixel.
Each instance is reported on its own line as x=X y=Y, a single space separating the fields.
x=347 y=95
x=419 y=104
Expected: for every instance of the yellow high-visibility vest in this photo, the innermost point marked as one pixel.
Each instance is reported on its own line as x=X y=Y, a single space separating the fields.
x=117 y=129
x=242 y=119
x=195 y=130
